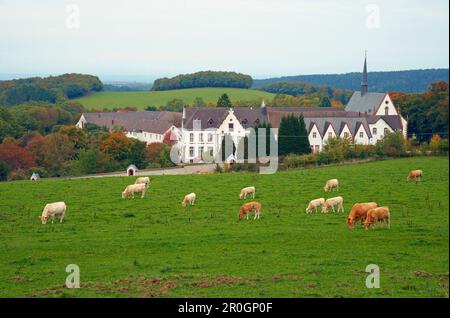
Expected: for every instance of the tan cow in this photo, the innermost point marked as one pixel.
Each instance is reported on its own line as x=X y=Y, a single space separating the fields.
x=246 y=208
x=331 y=184
x=331 y=203
x=359 y=212
x=415 y=174
x=134 y=188
x=145 y=180
x=53 y=209
x=188 y=199
x=250 y=191
x=380 y=214
x=314 y=204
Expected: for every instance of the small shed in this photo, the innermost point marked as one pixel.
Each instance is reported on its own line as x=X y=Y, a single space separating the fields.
x=131 y=170
x=35 y=176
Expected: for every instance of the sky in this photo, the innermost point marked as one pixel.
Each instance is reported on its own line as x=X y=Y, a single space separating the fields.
x=147 y=39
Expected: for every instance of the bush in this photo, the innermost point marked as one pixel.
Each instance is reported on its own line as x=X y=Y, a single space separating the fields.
x=18 y=175
x=4 y=170
x=393 y=144
x=40 y=171
x=295 y=161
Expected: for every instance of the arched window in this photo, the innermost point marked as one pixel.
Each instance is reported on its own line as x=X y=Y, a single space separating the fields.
x=386 y=110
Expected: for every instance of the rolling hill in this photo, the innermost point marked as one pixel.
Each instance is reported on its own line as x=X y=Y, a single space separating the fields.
x=110 y=100
x=411 y=81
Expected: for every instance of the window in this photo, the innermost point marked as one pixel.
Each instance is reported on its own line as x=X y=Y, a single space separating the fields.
x=314 y=135
x=201 y=137
x=210 y=137
x=210 y=150
x=361 y=134
x=191 y=137
x=210 y=121
x=317 y=148
x=200 y=150
x=191 y=152
x=386 y=131
x=230 y=127
x=330 y=134
x=386 y=110
x=374 y=130
x=345 y=134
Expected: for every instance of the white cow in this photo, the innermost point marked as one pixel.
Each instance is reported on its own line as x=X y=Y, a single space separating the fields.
x=250 y=191
x=332 y=202
x=145 y=180
x=188 y=199
x=314 y=204
x=331 y=184
x=134 y=188
x=51 y=210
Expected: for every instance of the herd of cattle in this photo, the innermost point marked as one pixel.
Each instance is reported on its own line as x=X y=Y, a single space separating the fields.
x=369 y=213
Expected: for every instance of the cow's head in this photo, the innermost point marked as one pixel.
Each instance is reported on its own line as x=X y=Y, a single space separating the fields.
x=350 y=222
x=183 y=203
x=43 y=219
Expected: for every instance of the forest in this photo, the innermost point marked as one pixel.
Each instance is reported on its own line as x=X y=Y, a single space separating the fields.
x=48 y=89
x=411 y=81
x=203 y=79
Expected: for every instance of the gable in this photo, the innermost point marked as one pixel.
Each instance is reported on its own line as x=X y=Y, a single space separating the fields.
x=386 y=105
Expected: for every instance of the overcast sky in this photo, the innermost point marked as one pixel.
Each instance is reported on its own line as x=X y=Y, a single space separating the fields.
x=263 y=38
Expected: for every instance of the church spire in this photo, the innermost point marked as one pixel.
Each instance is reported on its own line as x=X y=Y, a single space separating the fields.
x=364 y=85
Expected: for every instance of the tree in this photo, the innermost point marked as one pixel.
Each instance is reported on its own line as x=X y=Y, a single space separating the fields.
x=92 y=161
x=116 y=146
x=325 y=102
x=174 y=105
x=137 y=153
x=58 y=150
x=16 y=157
x=198 y=102
x=224 y=101
x=293 y=136
x=159 y=154
x=4 y=170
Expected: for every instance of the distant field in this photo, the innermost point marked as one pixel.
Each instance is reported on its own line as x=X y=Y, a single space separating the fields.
x=153 y=247
x=141 y=100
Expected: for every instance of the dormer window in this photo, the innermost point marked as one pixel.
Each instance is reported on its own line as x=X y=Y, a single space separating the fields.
x=210 y=121
x=245 y=121
x=257 y=121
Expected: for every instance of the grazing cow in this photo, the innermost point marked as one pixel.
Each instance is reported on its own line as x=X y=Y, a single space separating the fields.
x=246 y=208
x=250 y=191
x=134 y=188
x=188 y=199
x=53 y=209
x=331 y=184
x=380 y=214
x=314 y=204
x=331 y=203
x=145 y=180
x=359 y=212
x=415 y=174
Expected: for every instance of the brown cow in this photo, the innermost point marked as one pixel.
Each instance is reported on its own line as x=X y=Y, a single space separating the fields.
x=415 y=174
x=359 y=212
x=246 y=208
x=380 y=214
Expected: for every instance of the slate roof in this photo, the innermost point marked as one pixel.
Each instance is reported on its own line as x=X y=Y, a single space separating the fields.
x=338 y=124
x=366 y=103
x=148 y=121
x=214 y=117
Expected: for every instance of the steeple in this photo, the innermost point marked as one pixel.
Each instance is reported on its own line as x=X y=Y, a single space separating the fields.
x=364 y=85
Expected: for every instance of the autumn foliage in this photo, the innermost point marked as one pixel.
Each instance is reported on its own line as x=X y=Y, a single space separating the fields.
x=16 y=157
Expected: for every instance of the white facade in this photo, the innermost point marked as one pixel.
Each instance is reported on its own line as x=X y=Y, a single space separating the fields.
x=194 y=143
x=315 y=139
x=378 y=130
x=386 y=107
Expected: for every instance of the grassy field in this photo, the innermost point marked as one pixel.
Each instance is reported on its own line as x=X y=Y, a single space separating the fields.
x=153 y=247
x=141 y=100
